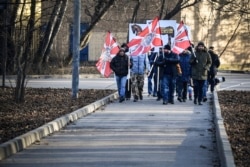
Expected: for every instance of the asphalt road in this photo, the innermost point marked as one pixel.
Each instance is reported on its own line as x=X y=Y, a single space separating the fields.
x=234 y=81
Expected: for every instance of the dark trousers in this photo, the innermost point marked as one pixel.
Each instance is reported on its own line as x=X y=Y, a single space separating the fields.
x=211 y=81
x=198 y=89
x=182 y=87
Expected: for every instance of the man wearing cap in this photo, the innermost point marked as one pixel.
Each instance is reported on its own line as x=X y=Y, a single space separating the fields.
x=120 y=65
x=200 y=64
x=168 y=73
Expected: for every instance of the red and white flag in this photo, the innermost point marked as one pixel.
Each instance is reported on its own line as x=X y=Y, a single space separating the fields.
x=109 y=50
x=147 y=39
x=182 y=40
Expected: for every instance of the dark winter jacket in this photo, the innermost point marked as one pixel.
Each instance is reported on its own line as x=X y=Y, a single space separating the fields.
x=167 y=64
x=119 y=64
x=200 y=64
x=185 y=66
x=215 y=62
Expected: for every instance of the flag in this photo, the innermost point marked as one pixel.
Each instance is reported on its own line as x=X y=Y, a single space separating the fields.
x=181 y=41
x=147 y=39
x=109 y=50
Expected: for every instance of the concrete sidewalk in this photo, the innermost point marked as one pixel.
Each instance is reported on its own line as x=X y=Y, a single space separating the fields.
x=142 y=134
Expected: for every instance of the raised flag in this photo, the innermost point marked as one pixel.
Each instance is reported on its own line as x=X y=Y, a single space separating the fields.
x=147 y=39
x=109 y=50
x=182 y=40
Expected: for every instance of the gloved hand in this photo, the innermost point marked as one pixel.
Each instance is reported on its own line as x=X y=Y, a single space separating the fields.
x=195 y=61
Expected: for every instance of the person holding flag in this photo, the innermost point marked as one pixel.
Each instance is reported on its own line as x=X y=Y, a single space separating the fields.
x=168 y=73
x=120 y=64
x=139 y=47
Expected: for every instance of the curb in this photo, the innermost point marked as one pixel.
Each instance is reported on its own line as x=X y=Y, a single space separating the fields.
x=223 y=144
x=21 y=142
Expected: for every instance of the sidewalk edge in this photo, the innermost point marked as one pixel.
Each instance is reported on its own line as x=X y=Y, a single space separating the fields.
x=21 y=142
x=223 y=144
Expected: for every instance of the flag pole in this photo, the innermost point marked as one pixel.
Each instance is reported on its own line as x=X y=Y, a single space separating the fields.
x=189 y=41
x=152 y=65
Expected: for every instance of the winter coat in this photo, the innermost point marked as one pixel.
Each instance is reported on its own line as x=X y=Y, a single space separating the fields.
x=201 y=66
x=215 y=62
x=167 y=64
x=185 y=66
x=140 y=64
x=119 y=64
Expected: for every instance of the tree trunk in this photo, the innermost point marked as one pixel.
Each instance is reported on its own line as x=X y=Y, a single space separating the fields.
x=44 y=43
x=25 y=57
x=56 y=29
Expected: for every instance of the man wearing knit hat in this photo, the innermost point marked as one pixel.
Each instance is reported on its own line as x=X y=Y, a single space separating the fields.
x=168 y=73
x=200 y=63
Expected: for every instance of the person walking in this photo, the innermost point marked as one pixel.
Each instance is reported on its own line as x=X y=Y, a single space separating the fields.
x=168 y=73
x=140 y=67
x=184 y=79
x=120 y=65
x=213 y=68
x=152 y=88
x=200 y=63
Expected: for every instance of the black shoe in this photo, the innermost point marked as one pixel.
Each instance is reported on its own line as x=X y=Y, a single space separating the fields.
x=135 y=100
x=179 y=99
x=158 y=99
x=171 y=101
x=195 y=101
x=154 y=95
x=190 y=98
x=141 y=97
x=121 y=100
x=204 y=99
x=200 y=103
x=165 y=103
x=184 y=100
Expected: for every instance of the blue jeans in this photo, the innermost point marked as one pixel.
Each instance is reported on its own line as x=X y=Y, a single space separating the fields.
x=121 y=84
x=205 y=88
x=168 y=87
x=152 y=89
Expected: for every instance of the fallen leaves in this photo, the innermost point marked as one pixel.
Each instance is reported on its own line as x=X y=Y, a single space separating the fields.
x=40 y=106
x=235 y=107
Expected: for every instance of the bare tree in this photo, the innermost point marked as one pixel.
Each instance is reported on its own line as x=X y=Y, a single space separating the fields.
x=228 y=9
x=51 y=31
x=24 y=57
x=180 y=5
x=96 y=14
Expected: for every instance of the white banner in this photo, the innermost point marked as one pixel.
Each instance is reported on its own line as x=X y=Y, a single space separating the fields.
x=168 y=31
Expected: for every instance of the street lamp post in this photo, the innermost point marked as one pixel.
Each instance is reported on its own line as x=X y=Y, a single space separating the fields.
x=76 y=48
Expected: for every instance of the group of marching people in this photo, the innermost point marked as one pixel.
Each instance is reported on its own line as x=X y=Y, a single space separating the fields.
x=170 y=73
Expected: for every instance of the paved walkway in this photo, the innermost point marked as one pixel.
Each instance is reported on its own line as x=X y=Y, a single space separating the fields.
x=141 y=134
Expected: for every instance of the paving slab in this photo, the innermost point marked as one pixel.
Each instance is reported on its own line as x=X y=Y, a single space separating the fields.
x=141 y=134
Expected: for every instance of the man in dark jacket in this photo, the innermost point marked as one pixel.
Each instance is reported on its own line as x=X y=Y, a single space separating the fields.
x=213 y=68
x=168 y=74
x=120 y=65
x=200 y=63
x=184 y=78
